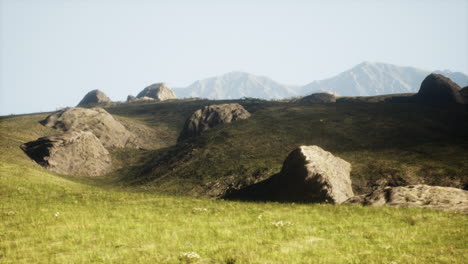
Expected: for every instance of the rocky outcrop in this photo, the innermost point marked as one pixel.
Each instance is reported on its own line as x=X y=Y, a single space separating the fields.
x=439 y=89
x=318 y=98
x=109 y=131
x=133 y=99
x=309 y=174
x=73 y=153
x=419 y=196
x=157 y=91
x=211 y=116
x=94 y=98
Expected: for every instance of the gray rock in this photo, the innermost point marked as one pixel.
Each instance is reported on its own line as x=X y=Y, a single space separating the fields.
x=157 y=91
x=419 y=196
x=110 y=132
x=439 y=89
x=94 y=98
x=131 y=98
x=311 y=174
x=318 y=98
x=73 y=153
x=211 y=116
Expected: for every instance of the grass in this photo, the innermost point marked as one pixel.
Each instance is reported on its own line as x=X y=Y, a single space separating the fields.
x=415 y=143
x=46 y=218
x=49 y=218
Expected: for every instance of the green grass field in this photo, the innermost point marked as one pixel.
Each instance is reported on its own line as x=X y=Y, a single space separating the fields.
x=49 y=218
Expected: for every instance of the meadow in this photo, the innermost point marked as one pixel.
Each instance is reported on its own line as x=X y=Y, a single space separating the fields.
x=50 y=218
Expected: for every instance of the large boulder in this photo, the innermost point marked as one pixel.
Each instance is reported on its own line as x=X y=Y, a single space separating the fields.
x=318 y=98
x=94 y=98
x=75 y=153
x=211 y=116
x=311 y=174
x=420 y=196
x=110 y=132
x=158 y=91
x=439 y=89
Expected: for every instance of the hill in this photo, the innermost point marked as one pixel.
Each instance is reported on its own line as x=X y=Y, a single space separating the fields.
x=124 y=217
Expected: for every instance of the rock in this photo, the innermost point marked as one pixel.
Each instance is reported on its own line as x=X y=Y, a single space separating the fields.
x=464 y=94
x=110 y=132
x=419 y=196
x=211 y=116
x=94 y=98
x=158 y=91
x=311 y=174
x=439 y=89
x=131 y=98
x=73 y=153
x=318 y=98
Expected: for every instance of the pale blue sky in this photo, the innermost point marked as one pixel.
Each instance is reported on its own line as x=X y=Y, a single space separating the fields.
x=54 y=51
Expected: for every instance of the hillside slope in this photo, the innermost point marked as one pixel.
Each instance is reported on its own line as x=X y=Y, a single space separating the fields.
x=401 y=142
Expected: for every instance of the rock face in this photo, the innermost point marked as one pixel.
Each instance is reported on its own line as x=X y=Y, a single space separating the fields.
x=319 y=98
x=211 y=116
x=109 y=131
x=439 y=89
x=464 y=94
x=94 y=98
x=312 y=174
x=73 y=153
x=157 y=91
x=420 y=196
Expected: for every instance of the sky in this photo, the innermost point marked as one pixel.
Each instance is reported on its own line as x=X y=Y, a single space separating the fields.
x=52 y=52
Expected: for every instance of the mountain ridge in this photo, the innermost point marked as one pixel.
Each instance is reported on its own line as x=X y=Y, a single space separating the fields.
x=364 y=79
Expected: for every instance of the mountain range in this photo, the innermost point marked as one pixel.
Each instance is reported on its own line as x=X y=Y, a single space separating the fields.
x=365 y=79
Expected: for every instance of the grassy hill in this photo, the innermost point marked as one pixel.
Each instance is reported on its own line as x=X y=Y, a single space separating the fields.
x=393 y=142
x=133 y=216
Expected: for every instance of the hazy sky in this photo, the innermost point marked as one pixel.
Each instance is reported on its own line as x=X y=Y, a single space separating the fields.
x=54 y=51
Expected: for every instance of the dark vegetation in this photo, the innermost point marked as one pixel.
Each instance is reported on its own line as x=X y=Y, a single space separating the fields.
x=391 y=143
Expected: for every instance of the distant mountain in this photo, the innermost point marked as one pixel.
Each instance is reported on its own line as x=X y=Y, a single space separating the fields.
x=368 y=79
x=365 y=79
x=235 y=85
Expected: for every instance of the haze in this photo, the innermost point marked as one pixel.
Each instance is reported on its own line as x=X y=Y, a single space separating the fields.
x=54 y=52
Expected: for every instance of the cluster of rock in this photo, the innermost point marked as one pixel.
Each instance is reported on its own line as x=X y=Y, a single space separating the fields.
x=81 y=148
x=419 y=196
x=211 y=116
x=153 y=93
x=311 y=174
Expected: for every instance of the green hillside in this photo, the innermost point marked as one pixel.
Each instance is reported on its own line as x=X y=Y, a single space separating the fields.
x=143 y=212
x=399 y=142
